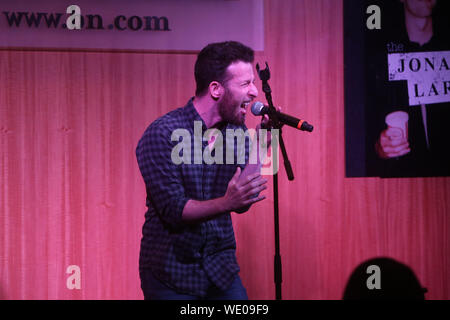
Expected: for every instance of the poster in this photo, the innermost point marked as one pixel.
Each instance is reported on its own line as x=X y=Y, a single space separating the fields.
x=397 y=88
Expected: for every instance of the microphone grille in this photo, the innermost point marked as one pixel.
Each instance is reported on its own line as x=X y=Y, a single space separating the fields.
x=257 y=108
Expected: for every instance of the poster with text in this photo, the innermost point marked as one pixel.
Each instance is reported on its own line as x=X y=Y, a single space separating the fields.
x=397 y=88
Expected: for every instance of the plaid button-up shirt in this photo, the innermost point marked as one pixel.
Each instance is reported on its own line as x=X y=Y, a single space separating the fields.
x=187 y=257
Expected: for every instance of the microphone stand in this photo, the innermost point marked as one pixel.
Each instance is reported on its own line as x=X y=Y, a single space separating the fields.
x=264 y=75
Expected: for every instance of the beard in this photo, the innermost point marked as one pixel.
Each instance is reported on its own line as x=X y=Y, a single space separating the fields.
x=230 y=109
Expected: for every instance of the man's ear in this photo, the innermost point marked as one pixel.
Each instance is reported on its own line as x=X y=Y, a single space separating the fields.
x=216 y=90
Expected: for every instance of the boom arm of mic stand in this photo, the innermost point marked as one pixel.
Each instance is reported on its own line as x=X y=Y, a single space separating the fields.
x=287 y=163
x=273 y=116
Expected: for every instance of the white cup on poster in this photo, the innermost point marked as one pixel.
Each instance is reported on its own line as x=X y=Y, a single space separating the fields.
x=397 y=122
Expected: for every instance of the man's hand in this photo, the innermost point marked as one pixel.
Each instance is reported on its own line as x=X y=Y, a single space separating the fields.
x=392 y=144
x=241 y=192
x=240 y=195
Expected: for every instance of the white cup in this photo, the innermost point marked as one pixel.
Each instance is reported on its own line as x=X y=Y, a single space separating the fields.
x=398 y=120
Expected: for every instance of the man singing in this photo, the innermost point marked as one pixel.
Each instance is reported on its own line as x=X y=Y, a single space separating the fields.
x=188 y=244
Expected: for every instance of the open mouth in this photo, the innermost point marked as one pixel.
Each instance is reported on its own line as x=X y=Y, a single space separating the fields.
x=245 y=105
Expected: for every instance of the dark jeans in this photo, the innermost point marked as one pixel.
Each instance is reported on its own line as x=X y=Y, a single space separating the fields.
x=154 y=289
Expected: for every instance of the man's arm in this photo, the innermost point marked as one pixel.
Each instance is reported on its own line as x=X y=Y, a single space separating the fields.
x=240 y=193
x=163 y=182
x=162 y=177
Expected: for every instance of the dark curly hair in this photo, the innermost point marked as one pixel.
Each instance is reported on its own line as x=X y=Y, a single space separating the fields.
x=214 y=59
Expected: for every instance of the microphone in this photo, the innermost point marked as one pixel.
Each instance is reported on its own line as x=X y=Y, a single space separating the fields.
x=259 y=109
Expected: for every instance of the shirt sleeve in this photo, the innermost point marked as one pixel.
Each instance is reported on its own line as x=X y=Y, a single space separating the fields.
x=162 y=177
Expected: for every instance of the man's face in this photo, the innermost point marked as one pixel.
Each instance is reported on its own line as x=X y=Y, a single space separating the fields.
x=419 y=8
x=240 y=90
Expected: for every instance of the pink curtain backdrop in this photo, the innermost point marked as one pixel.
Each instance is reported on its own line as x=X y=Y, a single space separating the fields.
x=71 y=192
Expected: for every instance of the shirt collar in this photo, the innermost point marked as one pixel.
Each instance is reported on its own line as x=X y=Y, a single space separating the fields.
x=192 y=115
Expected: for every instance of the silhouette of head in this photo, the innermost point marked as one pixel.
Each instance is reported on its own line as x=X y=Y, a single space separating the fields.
x=383 y=279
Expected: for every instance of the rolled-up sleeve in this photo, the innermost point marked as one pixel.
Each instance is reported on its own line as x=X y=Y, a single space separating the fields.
x=162 y=177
